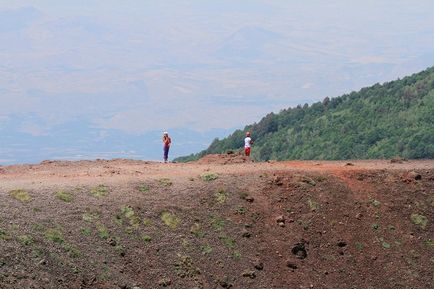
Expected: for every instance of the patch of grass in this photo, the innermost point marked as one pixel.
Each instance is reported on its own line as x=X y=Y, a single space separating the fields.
x=429 y=243
x=359 y=246
x=3 y=234
x=20 y=195
x=221 y=196
x=207 y=177
x=385 y=245
x=304 y=223
x=236 y=255
x=185 y=244
x=419 y=220
x=170 y=220
x=64 y=196
x=243 y=195
x=391 y=228
x=38 y=227
x=228 y=241
x=71 y=250
x=143 y=188
x=241 y=210
x=217 y=223
x=165 y=182
x=185 y=267
x=90 y=216
x=37 y=252
x=196 y=230
x=320 y=178
x=375 y=226
x=36 y=210
x=118 y=220
x=99 y=191
x=86 y=231
x=375 y=203
x=54 y=235
x=131 y=216
x=120 y=249
x=307 y=180
x=103 y=232
x=25 y=240
x=146 y=238
x=147 y=222
x=313 y=206
x=206 y=249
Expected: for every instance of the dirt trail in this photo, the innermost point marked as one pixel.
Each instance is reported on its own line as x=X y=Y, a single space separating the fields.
x=222 y=222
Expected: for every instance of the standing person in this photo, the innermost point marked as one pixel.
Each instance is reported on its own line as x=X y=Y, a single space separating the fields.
x=247 y=144
x=167 y=141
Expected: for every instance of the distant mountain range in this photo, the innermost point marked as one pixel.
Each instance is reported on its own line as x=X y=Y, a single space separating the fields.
x=382 y=121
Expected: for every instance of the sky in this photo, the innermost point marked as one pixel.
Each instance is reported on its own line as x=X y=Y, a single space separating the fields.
x=103 y=79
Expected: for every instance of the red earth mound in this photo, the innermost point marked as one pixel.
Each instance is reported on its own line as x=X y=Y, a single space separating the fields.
x=224 y=159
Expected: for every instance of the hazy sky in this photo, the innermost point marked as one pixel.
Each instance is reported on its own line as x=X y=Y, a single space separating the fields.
x=139 y=67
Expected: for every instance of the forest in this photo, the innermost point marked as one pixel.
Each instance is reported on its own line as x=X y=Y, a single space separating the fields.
x=393 y=119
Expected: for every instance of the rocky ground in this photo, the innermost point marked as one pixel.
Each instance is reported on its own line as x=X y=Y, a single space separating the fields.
x=221 y=222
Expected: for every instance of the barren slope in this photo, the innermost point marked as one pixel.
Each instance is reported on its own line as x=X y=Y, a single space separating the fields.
x=222 y=222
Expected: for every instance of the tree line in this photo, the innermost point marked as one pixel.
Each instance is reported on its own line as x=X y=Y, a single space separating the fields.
x=394 y=119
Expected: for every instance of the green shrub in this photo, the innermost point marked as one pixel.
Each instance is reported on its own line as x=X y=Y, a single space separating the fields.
x=99 y=191
x=170 y=220
x=419 y=220
x=21 y=195
x=64 y=196
x=207 y=177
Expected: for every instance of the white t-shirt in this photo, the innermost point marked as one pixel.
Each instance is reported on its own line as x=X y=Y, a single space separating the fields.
x=247 y=141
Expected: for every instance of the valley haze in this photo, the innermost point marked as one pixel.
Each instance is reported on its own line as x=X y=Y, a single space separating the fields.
x=104 y=79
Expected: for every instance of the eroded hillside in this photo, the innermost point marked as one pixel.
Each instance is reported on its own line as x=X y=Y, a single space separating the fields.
x=217 y=224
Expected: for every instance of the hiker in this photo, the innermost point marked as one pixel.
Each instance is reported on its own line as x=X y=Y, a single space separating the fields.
x=247 y=144
x=166 y=145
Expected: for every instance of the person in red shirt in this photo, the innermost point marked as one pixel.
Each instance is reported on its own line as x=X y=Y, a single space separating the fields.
x=167 y=141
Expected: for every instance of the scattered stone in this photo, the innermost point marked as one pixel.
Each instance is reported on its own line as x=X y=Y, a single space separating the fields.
x=225 y=282
x=164 y=282
x=342 y=244
x=278 y=181
x=359 y=216
x=349 y=164
x=259 y=265
x=42 y=262
x=112 y=242
x=415 y=176
x=291 y=265
x=246 y=234
x=299 y=250
x=249 y=199
x=250 y=274
x=280 y=219
x=307 y=180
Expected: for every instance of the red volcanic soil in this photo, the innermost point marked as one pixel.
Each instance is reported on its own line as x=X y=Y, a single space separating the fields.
x=221 y=222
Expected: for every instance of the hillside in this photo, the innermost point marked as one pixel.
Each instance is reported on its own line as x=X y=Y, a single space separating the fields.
x=381 y=121
x=137 y=225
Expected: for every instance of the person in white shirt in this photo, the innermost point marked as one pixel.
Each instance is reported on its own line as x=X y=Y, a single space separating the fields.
x=247 y=144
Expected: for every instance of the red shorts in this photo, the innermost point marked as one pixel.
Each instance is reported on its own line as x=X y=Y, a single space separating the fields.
x=247 y=151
